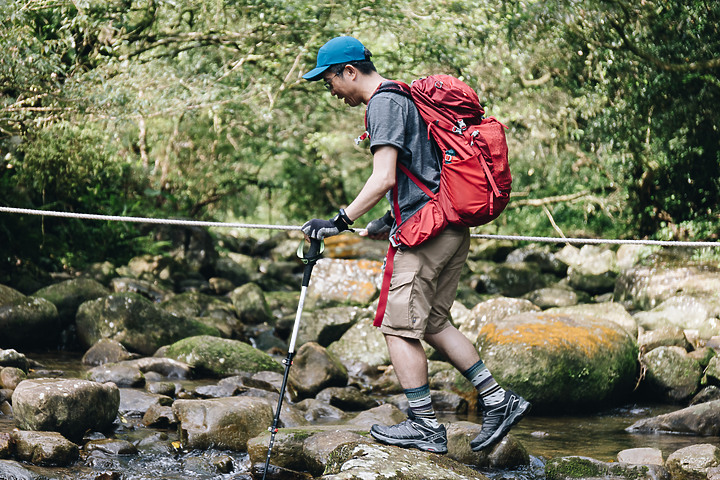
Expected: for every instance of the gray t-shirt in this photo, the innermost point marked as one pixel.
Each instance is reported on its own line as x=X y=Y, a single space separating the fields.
x=393 y=119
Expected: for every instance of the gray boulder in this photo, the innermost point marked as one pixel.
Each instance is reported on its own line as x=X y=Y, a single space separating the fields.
x=490 y=311
x=135 y=322
x=149 y=289
x=166 y=367
x=67 y=296
x=250 y=303
x=208 y=310
x=314 y=368
x=9 y=296
x=16 y=471
x=328 y=325
x=609 y=312
x=221 y=357
x=361 y=343
x=135 y=403
x=506 y=454
x=10 y=377
x=694 y=462
x=671 y=373
x=540 y=255
x=12 y=358
x=105 y=351
x=567 y=468
x=702 y=419
x=344 y=282
x=317 y=448
x=560 y=362
x=29 y=322
x=553 y=297
x=670 y=336
x=121 y=374
x=682 y=311
x=349 y=399
x=591 y=269
x=44 y=448
x=222 y=422
x=70 y=407
x=641 y=456
x=511 y=279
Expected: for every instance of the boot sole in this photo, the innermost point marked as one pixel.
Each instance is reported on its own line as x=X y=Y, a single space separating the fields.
x=409 y=443
x=505 y=427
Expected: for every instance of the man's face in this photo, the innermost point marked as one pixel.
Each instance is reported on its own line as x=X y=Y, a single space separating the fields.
x=343 y=86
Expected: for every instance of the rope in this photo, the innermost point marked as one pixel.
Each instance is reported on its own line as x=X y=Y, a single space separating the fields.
x=194 y=223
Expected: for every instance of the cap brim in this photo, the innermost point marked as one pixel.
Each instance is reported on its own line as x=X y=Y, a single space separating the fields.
x=315 y=74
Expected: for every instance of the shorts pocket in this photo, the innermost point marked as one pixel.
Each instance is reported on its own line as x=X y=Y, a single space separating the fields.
x=400 y=298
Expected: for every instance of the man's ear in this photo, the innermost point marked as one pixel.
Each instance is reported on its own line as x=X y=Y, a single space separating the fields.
x=351 y=72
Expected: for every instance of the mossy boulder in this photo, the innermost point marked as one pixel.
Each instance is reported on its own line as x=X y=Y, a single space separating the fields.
x=134 y=321
x=560 y=362
x=221 y=357
x=671 y=373
x=28 y=322
x=570 y=468
x=67 y=296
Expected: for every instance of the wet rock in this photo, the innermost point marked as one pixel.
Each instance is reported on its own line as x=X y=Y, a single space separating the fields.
x=682 y=311
x=9 y=296
x=344 y=282
x=540 y=255
x=135 y=403
x=10 y=377
x=193 y=248
x=386 y=414
x=167 y=367
x=702 y=419
x=29 y=321
x=361 y=343
x=105 y=351
x=566 y=468
x=317 y=449
x=208 y=310
x=101 y=272
x=146 y=288
x=703 y=355
x=122 y=375
x=671 y=373
x=314 y=368
x=670 y=336
x=249 y=301
x=609 y=312
x=44 y=448
x=490 y=311
x=316 y=410
x=6 y=445
x=234 y=269
x=328 y=325
x=552 y=297
x=511 y=279
x=222 y=422
x=11 y=358
x=506 y=454
x=560 y=361
x=67 y=296
x=707 y=394
x=349 y=399
x=70 y=407
x=159 y=416
x=221 y=357
x=220 y=286
x=693 y=462
x=641 y=456
x=16 y=471
x=161 y=388
x=630 y=255
x=111 y=446
x=591 y=269
x=135 y=322
x=370 y=460
x=646 y=287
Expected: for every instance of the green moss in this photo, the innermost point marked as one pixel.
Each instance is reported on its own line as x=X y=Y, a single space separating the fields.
x=573 y=467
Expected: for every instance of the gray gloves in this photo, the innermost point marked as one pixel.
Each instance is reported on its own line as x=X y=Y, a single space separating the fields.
x=319 y=229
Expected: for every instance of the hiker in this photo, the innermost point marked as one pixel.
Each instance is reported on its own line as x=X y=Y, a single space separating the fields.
x=424 y=278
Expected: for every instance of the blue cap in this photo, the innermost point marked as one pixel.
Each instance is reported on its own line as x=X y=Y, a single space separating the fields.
x=337 y=50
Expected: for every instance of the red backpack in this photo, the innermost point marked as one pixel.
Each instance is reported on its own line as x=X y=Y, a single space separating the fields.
x=475 y=179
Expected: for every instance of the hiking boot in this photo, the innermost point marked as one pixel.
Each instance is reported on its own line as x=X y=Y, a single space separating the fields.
x=498 y=419
x=413 y=432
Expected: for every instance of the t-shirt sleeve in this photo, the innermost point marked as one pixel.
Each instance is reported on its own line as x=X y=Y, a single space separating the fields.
x=386 y=118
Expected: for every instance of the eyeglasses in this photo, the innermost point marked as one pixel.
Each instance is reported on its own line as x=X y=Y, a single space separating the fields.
x=328 y=82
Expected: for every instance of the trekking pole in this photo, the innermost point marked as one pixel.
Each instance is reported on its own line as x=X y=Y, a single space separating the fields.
x=309 y=259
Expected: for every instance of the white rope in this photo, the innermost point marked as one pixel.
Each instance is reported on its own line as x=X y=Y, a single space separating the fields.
x=194 y=223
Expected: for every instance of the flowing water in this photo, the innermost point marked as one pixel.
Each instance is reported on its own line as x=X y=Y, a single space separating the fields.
x=599 y=435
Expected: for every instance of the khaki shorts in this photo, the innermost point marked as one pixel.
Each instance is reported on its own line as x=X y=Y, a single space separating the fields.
x=424 y=285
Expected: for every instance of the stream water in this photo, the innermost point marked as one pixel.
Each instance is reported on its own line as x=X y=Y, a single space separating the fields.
x=599 y=435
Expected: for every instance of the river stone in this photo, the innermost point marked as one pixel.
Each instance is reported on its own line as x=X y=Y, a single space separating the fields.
x=361 y=343
x=670 y=336
x=369 y=460
x=511 y=279
x=552 y=297
x=159 y=416
x=317 y=448
x=574 y=467
x=328 y=325
x=44 y=448
x=707 y=394
x=349 y=399
x=490 y=311
x=105 y=351
x=12 y=358
x=111 y=446
x=148 y=289
x=610 y=311
x=135 y=403
x=648 y=286
x=344 y=282
x=594 y=270
x=560 y=362
x=701 y=419
x=314 y=410
x=6 y=445
x=386 y=414
x=70 y=407
x=29 y=322
x=16 y=471
x=507 y=454
x=693 y=462
x=167 y=367
x=641 y=456
x=540 y=255
x=122 y=375
x=9 y=296
x=135 y=322
x=221 y=357
x=10 y=377
x=234 y=269
x=671 y=373
x=224 y=423
x=314 y=368
x=68 y=295
x=250 y=303
x=681 y=311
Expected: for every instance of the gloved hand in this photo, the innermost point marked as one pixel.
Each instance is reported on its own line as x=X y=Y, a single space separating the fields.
x=380 y=227
x=319 y=229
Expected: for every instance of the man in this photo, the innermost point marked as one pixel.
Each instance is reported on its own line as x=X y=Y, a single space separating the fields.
x=425 y=278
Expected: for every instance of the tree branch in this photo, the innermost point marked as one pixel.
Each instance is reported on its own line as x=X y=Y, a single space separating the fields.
x=541 y=202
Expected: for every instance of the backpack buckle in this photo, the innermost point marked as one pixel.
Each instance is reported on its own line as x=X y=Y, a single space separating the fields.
x=361 y=138
x=460 y=128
